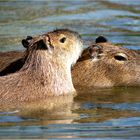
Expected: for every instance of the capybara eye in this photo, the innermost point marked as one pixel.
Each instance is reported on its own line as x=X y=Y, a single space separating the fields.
x=120 y=57
x=63 y=39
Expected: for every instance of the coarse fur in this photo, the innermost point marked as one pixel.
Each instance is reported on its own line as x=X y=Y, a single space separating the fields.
x=108 y=66
x=47 y=68
x=10 y=62
x=98 y=67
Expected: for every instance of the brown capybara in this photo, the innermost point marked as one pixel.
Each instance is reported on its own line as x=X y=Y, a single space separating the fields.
x=101 y=65
x=11 y=62
x=46 y=70
x=107 y=65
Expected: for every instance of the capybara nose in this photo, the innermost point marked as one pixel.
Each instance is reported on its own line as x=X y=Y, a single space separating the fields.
x=94 y=51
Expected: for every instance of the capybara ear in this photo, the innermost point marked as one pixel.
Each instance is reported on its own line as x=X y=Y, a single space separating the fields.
x=95 y=50
x=29 y=38
x=25 y=42
x=101 y=39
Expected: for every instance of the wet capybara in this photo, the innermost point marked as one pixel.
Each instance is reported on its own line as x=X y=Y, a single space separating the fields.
x=107 y=65
x=46 y=70
x=101 y=65
x=13 y=61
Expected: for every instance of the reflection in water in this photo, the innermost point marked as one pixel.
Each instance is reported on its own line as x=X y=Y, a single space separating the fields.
x=92 y=111
x=104 y=104
x=110 y=95
x=102 y=113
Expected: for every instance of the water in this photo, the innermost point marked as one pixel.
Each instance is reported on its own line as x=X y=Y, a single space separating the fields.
x=100 y=114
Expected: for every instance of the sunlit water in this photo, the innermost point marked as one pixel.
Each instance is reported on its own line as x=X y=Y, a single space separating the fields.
x=102 y=114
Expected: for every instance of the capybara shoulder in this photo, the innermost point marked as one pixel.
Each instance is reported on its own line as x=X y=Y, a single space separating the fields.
x=6 y=60
x=13 y=61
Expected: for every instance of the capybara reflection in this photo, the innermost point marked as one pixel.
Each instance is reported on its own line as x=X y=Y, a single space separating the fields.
x=107 y=65
x=46 y=70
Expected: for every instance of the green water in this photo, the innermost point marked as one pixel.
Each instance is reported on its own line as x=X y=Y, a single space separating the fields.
x=100 y=114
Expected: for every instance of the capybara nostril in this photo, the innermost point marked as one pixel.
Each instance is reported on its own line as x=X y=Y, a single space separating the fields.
x=94 y=51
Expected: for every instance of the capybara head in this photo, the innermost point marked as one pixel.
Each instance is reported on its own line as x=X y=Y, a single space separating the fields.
x=66 y=43
x=105 y=65
x=62 y=43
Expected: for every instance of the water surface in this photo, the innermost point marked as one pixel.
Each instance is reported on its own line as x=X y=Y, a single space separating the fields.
x=100 y=114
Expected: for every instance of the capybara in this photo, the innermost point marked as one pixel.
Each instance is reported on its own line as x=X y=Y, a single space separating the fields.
x=101 y=65
x=46 y=70
x=107 y=65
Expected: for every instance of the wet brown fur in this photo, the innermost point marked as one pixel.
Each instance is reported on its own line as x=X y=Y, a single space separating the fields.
x=46 y=72
x=106 y=71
